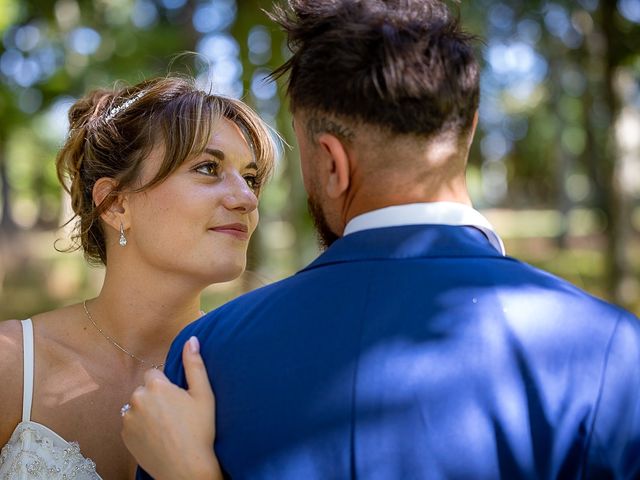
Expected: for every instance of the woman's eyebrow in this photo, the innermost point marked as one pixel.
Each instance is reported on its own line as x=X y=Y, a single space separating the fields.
x=214 y=152
x=219 y=154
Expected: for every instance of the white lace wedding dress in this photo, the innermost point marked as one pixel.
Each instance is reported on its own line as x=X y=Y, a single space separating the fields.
x=34 y=451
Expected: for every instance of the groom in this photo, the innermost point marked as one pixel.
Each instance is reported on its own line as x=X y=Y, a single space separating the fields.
x=412 y=347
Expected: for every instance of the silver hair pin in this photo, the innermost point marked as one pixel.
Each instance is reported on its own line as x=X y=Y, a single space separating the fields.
x=116 y=110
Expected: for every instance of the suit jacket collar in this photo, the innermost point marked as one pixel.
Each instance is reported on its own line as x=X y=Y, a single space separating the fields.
x=408 y=241
x=432 y=213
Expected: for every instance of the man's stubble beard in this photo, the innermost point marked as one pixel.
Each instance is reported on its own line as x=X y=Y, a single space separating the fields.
x=325 y=235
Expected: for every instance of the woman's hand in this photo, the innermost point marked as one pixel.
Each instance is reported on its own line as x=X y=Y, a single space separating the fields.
x=170 y=431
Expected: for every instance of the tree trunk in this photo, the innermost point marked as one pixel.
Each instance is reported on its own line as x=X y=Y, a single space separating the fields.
x=616 y=205
x=7 y=225
x=564 y=159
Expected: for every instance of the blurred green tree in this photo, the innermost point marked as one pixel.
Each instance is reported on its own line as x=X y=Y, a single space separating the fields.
x=557 y=76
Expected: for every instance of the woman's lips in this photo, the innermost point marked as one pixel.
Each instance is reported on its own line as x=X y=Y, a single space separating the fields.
x=237 y=230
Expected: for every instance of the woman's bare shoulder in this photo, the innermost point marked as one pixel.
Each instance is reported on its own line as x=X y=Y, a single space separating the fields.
x=10 y=353
x=49 y=328
x=10 y=377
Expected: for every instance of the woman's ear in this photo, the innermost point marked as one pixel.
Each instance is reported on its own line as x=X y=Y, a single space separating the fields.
x=115 y=215
x=337 y=177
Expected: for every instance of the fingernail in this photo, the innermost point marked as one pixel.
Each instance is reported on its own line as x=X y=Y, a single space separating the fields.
x=194 y=345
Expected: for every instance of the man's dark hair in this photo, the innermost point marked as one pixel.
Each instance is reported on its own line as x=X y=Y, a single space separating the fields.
x=404 y=65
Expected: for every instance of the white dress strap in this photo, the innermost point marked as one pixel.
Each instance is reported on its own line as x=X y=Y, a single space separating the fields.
x=28 y=369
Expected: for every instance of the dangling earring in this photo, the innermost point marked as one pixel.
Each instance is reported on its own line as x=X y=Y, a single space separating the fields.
x=123 y=239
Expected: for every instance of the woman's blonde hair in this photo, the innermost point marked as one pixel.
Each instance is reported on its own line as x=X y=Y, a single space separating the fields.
x=111 y=132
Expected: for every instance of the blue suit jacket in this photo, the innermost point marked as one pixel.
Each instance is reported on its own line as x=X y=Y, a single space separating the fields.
x=419 y=352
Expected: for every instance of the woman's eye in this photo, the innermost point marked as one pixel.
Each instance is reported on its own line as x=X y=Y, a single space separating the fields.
x=209 y=168
x=252 y=181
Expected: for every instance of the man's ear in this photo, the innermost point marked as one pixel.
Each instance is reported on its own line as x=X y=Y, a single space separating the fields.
x=338 y=163
x=116 y=213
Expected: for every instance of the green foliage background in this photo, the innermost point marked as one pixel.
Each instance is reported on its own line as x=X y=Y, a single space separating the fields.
x=555 y=165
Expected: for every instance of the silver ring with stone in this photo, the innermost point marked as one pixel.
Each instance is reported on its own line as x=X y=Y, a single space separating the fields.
x=125 y=408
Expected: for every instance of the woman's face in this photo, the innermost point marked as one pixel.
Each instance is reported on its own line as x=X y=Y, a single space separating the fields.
x=198 y=221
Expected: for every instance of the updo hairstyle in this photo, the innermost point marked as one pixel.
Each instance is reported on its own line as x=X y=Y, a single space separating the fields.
x=111 y=132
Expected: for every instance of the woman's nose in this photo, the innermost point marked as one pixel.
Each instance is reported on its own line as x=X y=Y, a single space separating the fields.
x=240 y=196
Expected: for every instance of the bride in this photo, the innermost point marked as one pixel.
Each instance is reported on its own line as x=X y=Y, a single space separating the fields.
x=164 y=181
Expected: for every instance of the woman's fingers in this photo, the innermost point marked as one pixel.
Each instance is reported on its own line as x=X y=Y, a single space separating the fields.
x=196 y=372
x=170 y=431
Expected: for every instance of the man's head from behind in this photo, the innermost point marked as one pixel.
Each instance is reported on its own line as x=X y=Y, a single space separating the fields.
x=390 y=87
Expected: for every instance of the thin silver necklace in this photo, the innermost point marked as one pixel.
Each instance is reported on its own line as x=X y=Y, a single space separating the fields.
x=143 y=363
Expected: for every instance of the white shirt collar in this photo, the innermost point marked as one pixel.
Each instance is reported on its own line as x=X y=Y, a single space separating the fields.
x=432 y=213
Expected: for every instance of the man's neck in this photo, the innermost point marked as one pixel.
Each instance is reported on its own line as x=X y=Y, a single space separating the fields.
x=403 y=196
